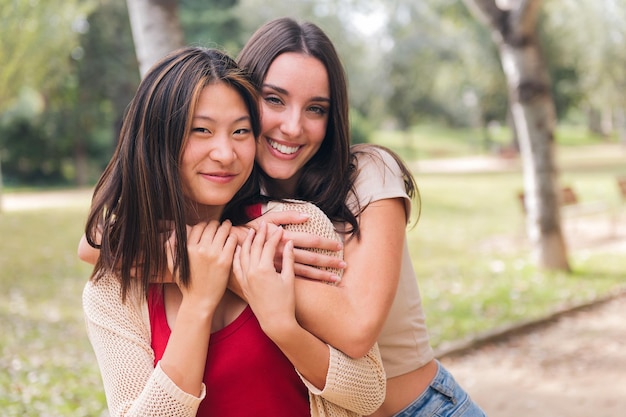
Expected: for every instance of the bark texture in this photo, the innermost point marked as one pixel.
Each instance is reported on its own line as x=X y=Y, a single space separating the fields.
x=156 y=30
x=513 y=26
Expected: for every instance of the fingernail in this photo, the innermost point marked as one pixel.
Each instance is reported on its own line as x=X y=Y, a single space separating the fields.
x=305 y=215
x=335 y=278
x=342 y=265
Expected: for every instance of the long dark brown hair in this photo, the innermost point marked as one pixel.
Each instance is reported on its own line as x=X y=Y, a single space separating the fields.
x=141 y=187
x=328 y=192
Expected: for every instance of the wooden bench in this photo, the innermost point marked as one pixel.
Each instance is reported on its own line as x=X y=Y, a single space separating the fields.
x=621 y=186
x=569 y=198
x=572 y=207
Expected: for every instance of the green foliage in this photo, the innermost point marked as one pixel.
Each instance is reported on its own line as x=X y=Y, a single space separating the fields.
x=408 y=63
x=361 y=129
x=33 y=157
x=212 y=23
x=39 y=36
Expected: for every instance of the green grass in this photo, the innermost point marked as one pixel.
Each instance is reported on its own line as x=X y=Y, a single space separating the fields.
x=48 y=368
x=472 y=262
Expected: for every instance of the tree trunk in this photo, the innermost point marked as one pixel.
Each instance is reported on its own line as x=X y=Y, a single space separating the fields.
x=1 y=185
x=156 y=30
x=513 y=26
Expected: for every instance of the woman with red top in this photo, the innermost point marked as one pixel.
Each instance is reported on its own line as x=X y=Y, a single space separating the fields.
x=187 y=346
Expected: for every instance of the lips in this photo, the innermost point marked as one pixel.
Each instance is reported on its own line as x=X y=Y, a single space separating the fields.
x=220 y=177
x=284 y=149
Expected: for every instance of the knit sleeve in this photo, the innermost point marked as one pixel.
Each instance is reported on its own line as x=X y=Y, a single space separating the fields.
x=120 y=336
x=353 y=386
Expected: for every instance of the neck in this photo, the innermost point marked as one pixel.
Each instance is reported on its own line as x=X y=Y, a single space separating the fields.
x=197 y=213
x=279 y=188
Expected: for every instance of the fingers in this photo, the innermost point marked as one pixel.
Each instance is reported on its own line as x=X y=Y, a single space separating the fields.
x=279 y=217
x=243 y=257
x=311 y=241
x=320 y=260
x=270 y=247
x=316 y=274
x=288 y=262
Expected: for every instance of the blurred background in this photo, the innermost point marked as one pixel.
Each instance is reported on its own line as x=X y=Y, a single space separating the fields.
x=425 y=79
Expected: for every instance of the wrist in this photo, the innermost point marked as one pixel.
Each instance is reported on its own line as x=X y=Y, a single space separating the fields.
x=284 y=330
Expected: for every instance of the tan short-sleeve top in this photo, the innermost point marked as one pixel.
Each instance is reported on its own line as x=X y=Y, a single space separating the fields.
x=403 y=342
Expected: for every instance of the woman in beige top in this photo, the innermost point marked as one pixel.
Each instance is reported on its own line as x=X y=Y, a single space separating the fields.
x=304 y=152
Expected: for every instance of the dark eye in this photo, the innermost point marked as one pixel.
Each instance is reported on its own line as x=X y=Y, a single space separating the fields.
x=200 y=130
x=318 y=110
x=272 y=100
x=242 y=131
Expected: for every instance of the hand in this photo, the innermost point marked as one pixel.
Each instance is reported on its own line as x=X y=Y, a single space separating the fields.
x=211 y=248
x=271 y=294
x=312 y=258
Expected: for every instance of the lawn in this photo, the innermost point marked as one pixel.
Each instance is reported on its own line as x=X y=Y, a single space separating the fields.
x=468 y=249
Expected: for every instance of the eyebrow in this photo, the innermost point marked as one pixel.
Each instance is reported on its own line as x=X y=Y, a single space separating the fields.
x=239 y=119
x=281 y=90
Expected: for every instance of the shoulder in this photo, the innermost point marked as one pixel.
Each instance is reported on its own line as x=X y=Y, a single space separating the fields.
x=376 y=167
x=102 y=301
x=374 y=154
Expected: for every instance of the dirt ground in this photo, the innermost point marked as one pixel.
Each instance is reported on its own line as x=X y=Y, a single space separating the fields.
x=574 y=366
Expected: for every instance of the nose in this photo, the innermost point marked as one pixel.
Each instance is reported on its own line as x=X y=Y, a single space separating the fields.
x=223 y=150
x=291 y=125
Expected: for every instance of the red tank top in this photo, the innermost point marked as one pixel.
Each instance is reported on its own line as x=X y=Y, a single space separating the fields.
x=246 y=374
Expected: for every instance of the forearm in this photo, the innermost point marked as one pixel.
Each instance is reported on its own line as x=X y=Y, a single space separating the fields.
x=338 y=315
x=184 y=357
x=121 y=342
x=350 y=315
x=308 y=354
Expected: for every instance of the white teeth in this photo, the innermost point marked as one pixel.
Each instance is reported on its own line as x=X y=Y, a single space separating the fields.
x=288 y=150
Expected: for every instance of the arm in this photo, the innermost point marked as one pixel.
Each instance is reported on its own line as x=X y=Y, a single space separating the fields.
x=351 y=314
x=272 y=298
x=120 y=333
x=354 y=384
x=304 y=258
x=132 y=384
x=86 y=252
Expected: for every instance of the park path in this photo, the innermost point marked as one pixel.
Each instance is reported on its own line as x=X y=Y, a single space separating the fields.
x=572 y=366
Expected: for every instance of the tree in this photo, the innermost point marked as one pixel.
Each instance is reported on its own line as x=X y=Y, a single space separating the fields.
x=26 y=26
x=513 y=27
x=156 y=30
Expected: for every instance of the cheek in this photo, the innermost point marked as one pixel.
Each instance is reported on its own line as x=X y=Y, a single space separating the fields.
x=317 y=132
x=269 y=119
x=247 y=154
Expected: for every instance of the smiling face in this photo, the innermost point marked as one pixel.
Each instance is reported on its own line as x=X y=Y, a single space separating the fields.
x=219 y=152
x=295 y=102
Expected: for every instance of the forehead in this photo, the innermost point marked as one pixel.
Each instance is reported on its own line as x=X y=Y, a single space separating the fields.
x=298 y=72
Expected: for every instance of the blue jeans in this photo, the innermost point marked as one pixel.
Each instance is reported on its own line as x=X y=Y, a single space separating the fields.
x=443 y=398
